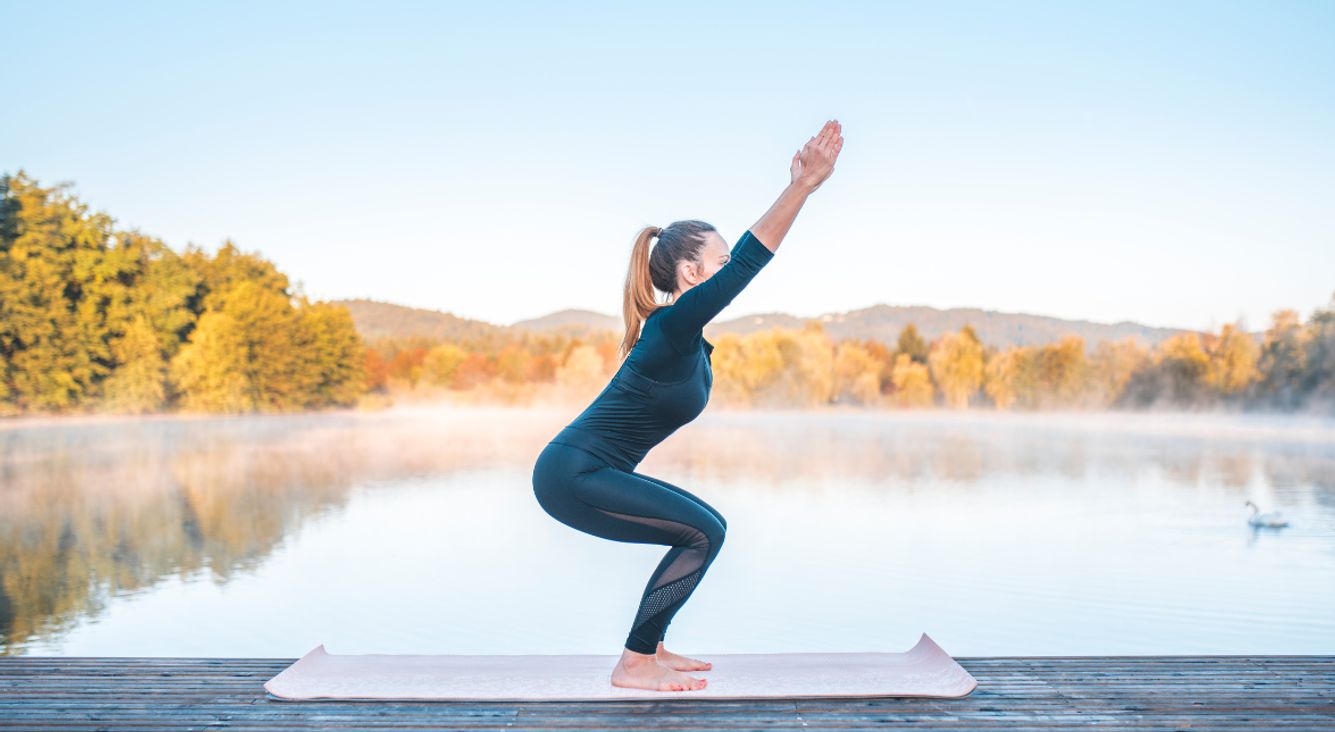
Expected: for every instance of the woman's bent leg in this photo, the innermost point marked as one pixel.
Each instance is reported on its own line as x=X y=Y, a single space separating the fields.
x=683 y=492
x=601 y=500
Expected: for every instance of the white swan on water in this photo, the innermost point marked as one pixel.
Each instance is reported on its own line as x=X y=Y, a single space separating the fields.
x=1272 y=519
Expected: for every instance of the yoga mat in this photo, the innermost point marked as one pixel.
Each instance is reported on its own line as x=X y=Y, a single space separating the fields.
x=924 y=670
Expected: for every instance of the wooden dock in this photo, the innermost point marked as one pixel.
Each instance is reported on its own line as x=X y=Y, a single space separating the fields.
x=1014 y=693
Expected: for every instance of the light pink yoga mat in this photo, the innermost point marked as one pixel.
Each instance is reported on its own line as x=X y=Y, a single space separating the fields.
x=924 y=670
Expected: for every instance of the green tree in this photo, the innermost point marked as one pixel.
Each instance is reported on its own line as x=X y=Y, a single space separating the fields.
x=912 y=344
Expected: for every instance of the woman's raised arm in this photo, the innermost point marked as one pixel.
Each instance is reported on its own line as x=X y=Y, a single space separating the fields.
x=811 y=166
x=688 y=315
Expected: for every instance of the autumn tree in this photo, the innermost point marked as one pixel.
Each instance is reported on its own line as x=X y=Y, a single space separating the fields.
x=582 y=371
x=1001 y=377
x=912 y=344
x=1175 y=375
x=956 y=361
x=856 y=375
x=332 y=367
x=52 y=252
x=139 y=382
x=442 y=364
x=913 y=383
x=1318 y=381
x=1111 y=367
x=1283 y=360
x=1061 y=371
x=1232 y=361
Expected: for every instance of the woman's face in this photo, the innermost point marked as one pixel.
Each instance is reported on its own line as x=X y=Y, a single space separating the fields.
x=713 y=255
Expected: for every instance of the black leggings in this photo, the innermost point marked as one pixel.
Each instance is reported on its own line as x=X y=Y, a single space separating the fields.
x=583 y=491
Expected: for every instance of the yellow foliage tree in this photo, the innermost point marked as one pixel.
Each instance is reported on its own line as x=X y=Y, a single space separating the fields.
x=333 y=368
x=513 y=363
x=913 y=384
x=1062 y=371
x=807 y=378
x=745 y=366
x=1001 y=377
x=210 y=370
x=1233 y=356
x=1111 y=367
x=956 y=361
x=259 y=338
x=779 y=366
x=856 y=375
x=441 y=364
x=582 y=370
x=138 y=384
x=1181 y=365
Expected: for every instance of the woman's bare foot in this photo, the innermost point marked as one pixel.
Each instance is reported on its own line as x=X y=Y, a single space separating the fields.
x=643 y=671
x=680 y=663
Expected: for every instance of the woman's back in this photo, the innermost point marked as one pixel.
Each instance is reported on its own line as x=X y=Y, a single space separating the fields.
x=665 y=380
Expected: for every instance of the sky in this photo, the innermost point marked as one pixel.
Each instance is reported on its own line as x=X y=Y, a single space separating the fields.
x=1166 y=163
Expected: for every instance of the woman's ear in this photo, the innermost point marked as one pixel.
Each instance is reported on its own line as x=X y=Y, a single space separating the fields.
x=685 y=273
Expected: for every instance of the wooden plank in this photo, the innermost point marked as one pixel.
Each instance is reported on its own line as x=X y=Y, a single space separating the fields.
x=1015 y=693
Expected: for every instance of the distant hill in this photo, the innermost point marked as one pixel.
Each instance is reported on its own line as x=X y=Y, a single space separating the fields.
x=572 y=321
x=375 y=319
x=884 y=322
x=881 y=322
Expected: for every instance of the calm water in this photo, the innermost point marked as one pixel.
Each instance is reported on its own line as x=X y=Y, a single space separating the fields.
x=416 y=531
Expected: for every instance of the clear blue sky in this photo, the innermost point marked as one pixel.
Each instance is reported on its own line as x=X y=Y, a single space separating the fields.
x=1171 y=163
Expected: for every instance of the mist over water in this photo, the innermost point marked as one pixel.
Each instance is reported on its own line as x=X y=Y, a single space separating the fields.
x=416 y=531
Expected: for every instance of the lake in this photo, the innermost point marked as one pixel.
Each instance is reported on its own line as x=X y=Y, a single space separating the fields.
x=415 y=530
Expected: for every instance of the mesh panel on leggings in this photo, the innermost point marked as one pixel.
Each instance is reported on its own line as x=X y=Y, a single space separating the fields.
x=681 y=575
x=664 y=596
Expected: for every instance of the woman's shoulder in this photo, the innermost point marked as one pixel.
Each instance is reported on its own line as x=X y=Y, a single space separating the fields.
x=656 y=344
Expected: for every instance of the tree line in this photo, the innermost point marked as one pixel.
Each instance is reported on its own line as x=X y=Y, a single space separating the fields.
x=93 y=318
x=1290 y=367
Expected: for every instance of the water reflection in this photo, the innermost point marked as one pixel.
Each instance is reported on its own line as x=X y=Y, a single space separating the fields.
x=415 y=531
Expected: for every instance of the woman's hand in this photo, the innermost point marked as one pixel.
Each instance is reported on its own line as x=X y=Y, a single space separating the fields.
x=815 y=161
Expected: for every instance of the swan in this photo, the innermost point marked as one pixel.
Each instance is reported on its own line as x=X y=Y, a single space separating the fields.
x=1265 y=519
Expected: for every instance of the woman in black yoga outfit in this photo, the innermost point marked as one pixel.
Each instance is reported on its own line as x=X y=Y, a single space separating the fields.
x=585 y=477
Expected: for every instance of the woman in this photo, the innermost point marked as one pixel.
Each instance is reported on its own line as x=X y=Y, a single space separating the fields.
x=585 y=477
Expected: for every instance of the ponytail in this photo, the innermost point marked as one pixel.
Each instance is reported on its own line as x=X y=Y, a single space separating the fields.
x=638 y=301
x=679 y=241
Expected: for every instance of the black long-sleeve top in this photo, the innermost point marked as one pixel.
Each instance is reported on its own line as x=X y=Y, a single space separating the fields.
x=665 y=380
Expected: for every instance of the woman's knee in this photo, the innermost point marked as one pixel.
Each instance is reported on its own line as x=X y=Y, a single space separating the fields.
x=703 y=535
x=716 y=533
